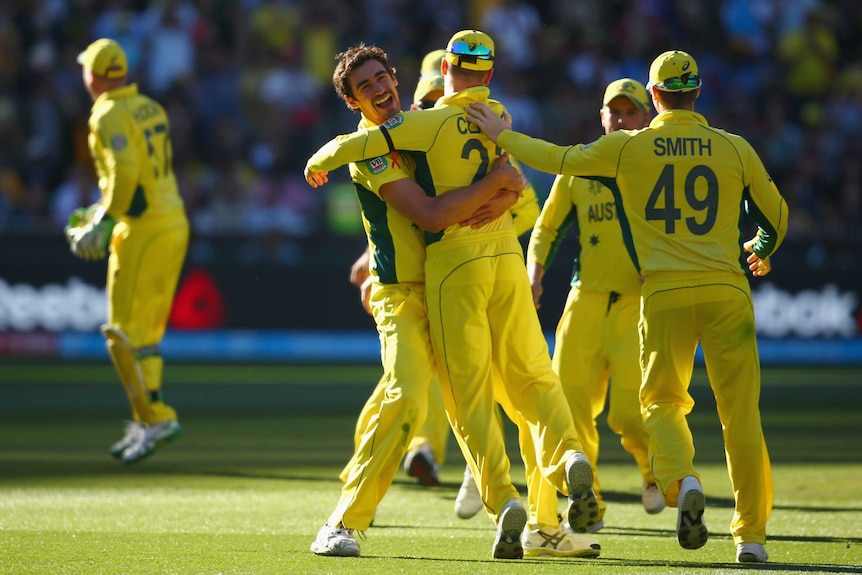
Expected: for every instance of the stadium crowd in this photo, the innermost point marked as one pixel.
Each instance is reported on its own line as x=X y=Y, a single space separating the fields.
x=247 y=85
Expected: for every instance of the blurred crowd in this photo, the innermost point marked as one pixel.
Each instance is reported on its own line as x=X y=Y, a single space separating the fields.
x=247 y=86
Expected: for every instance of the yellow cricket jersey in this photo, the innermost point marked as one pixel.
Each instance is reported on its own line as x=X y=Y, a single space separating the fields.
x=682 y=186
x=603 y=263
x=131 y=148
x=435 y=138
x=397 y=244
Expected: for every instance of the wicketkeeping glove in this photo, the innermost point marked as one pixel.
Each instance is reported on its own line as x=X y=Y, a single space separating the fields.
x=89 y=232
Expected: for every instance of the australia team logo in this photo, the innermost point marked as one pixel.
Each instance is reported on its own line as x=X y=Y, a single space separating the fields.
x=377 y=165
x=118 y=142
x=393 y=122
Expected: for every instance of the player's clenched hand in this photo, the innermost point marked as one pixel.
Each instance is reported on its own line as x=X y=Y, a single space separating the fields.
x=492 y=209
x=490 y=123
x=759 y=267
x=536 y=272
x=365 y=293
x=511 y=178
x=316 y=179
x=359 y=271
x=89 y=232
x=90 y=242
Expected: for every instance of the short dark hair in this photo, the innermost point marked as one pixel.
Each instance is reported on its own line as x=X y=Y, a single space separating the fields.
x=351 y=59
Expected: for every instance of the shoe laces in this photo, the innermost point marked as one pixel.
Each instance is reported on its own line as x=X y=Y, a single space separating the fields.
x=340 y=528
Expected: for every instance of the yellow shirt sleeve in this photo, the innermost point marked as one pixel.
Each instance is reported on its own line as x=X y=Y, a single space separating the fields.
x=114 y=149
x=763 y=203
x=558 y=213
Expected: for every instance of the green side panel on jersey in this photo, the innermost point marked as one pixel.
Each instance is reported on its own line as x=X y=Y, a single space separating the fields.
x=424 y=179
x=571 y=217
x=375 y=210
x=625 y=227
x=139 y=203
x=768 y=233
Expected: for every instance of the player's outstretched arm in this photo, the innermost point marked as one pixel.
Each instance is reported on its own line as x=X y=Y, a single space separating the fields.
x=488 y=121
x=315 y=178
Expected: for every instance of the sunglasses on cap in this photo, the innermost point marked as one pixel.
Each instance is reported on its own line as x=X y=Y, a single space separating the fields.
x=478 y=51
x=425 y=104
x=686 y=82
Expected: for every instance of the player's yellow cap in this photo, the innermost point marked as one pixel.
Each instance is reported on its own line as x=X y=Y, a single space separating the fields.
x=431 y=62
x=471 y=50
x=631 y=89
x=674 y=71
x=105 y=58
x=428 y=83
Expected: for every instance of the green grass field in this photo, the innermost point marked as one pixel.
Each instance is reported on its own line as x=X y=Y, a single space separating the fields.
x=245 y=490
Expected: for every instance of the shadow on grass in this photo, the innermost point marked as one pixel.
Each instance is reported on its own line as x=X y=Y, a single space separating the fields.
x=687 y=566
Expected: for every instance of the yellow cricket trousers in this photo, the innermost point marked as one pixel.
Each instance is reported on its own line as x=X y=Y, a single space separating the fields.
x=408 y=369
x=678 y=311
x=434 y=430
x=597 y=356
x=144 y=265
x=481 y=311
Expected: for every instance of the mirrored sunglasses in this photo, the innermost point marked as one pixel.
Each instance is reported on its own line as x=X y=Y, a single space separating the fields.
x=686 y=82
x=478 y=50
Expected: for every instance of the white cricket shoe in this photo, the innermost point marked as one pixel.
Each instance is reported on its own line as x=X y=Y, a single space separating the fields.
x=420 y=463
x=554 y=541
x=335 y=541
x=510 y=524
x=652 y=498
x=751 y=553
x=583 y=512
x=153 y=435
x=131 y=434
x=468 y=502
x=691 y=531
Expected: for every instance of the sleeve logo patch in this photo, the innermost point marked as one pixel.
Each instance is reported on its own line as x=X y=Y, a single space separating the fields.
x=118 y=142
x=377 y=165
x=393 y=122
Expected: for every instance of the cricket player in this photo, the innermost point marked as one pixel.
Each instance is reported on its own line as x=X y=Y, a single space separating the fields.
x=479 y=302
x=141 y=220
x=427 y=450
x=393 y=205
x=597 y=350
x=680 y=187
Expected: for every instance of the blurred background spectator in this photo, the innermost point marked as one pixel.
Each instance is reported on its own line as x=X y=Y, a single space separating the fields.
x=247 y=85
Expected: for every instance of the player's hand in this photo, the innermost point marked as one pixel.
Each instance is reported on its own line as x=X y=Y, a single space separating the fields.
x=511 y=179
x=359 y=271
x=490 y=123
x=759 y=267
x=89 y=232
x=316 y=179
x=536 y=272
x=492 y=209
x=90 y=241
x=365 y=293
